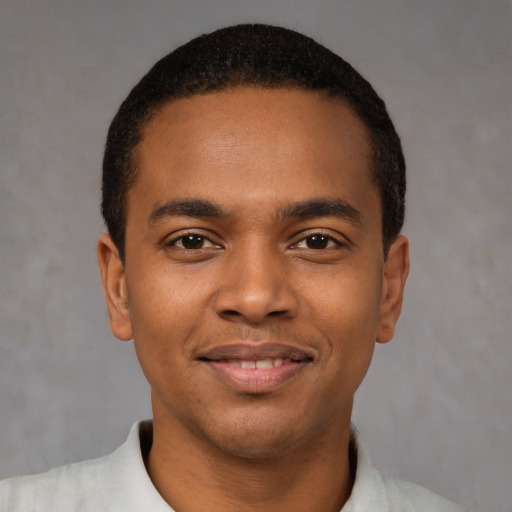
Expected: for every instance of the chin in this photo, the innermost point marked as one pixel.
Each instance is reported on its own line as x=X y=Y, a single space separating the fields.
x=257 y=437
x=256 y=445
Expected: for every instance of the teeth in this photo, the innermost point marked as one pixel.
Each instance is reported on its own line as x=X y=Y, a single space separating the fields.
x=262 y=364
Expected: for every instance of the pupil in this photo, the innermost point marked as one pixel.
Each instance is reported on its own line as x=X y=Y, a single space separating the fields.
x=192 y=241
x=317 y=242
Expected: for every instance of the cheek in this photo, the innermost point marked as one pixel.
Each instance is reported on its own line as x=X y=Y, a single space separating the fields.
x=348 y=301
x=164 y=311
x=162 y=327
x=347 y=313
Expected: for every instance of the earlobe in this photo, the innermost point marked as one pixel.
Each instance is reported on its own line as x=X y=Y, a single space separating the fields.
x=396 y=270
x=114 y=286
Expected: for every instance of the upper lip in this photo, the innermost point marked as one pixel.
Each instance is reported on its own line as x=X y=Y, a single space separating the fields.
x=255 y=352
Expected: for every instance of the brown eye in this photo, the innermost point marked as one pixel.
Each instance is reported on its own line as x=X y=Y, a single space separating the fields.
x=317 y=242
x=191 y=241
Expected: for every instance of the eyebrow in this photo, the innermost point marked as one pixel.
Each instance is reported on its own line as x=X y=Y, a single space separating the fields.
x=309 y=209
x=322 y=208
x=186 y=208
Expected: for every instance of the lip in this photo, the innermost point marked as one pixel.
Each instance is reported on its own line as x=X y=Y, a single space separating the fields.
x=225 y=360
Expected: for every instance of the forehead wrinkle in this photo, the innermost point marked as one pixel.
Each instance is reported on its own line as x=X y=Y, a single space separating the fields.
x=321 y=208
x=199 y=208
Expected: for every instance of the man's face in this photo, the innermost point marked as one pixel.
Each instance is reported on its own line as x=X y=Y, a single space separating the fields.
x=255 y=284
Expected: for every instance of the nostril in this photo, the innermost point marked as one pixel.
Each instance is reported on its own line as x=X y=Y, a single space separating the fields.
x=231 y=312
x=276 y=313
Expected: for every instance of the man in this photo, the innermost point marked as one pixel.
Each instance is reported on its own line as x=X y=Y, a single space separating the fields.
x=253 y=190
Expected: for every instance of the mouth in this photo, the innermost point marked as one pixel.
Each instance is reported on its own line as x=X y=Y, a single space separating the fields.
x=256 y=368
x=260 y=364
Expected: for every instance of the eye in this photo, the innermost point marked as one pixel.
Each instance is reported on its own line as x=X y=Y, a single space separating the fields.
x=318 y=241
x=191 y=241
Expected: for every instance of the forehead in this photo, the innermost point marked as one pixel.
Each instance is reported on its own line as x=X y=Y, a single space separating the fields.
x=248 y=141
x=244 y=106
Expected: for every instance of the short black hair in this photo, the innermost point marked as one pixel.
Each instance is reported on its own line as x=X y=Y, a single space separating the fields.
x=250 y=55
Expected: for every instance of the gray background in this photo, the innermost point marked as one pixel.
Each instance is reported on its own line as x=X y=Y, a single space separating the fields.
x=436 y=406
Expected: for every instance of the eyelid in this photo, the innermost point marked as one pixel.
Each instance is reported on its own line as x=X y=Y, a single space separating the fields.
x=337 y=238
x=330 y=243
x=170 y=240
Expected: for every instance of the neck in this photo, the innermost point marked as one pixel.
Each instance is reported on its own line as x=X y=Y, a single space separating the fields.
x=191 y=475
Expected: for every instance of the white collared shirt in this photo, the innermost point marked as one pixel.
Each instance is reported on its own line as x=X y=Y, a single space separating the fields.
x=119 y=483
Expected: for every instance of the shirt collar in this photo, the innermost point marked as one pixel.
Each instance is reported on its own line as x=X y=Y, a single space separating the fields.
x=138 y=492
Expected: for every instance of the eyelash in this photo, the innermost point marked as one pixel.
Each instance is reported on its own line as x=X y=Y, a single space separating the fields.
x=175 y=241
x=330 y=241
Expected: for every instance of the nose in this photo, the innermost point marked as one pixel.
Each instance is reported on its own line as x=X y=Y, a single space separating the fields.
x=256 y=287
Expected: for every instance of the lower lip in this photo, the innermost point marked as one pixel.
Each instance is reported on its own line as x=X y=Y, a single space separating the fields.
x=254 y=380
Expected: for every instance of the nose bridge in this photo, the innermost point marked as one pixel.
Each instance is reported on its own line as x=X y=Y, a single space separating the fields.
x=256 y=284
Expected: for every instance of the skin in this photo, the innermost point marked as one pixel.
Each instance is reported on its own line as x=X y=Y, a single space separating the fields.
x=270 y=271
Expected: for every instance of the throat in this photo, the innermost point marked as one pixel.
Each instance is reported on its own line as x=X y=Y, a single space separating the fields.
x=190 y=477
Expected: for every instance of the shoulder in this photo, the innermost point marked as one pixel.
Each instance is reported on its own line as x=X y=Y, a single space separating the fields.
x=118 y=481
x=406 y=496
x=59 y=489
x=374 y=490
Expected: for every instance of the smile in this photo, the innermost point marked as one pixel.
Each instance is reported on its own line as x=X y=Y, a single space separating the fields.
x=261 y=364
x=255 y=369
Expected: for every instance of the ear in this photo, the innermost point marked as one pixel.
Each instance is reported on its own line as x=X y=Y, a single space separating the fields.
x=396 y=270
x=114 y=286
